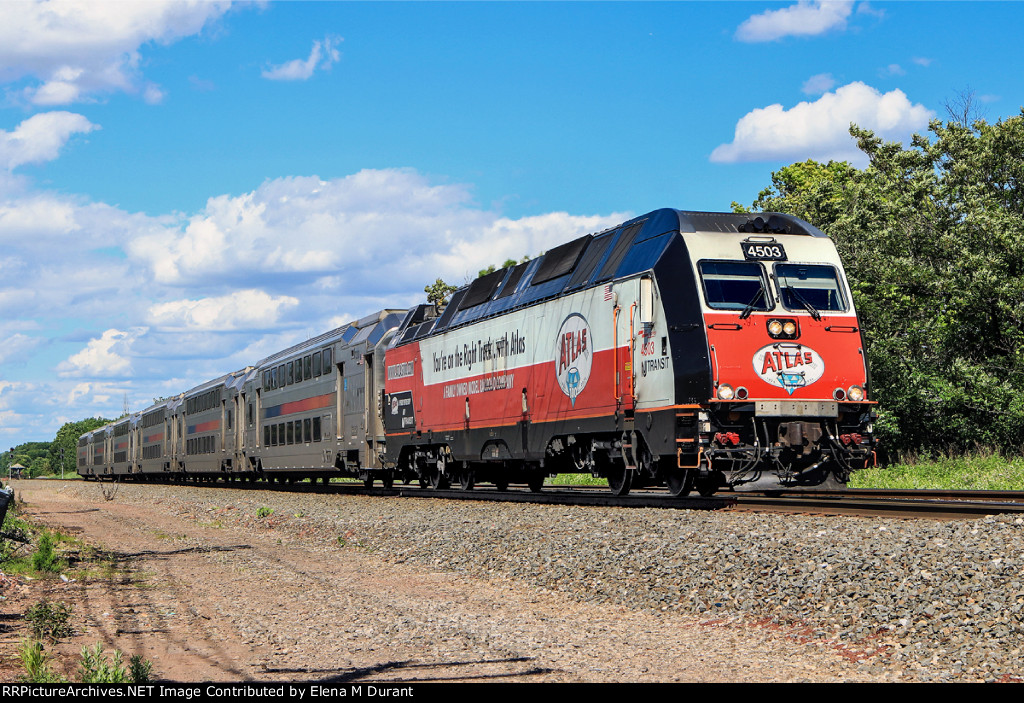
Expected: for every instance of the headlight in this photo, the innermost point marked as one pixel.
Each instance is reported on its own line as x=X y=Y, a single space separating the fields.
x=856 y=394
x=725 y=392
x=783 y=329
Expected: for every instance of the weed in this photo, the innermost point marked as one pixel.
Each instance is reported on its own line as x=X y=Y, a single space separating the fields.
x=95 y=667
x=37 y=663
x=140 y=670
x=45 y=559
x=49 y=621
x=264 y=512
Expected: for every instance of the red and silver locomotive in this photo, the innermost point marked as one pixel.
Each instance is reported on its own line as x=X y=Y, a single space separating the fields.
x=699 y=350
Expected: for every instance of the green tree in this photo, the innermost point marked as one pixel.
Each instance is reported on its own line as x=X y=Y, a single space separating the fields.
x=438 y=292
x=508 y=262
x=932 y=237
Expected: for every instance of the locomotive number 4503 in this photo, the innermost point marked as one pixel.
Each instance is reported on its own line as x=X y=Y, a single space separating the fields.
x=763 y=252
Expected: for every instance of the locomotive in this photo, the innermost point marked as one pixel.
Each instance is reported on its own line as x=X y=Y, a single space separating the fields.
x=694 y=350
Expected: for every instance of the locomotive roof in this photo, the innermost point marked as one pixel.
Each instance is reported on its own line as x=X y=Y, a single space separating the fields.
x=623 y=250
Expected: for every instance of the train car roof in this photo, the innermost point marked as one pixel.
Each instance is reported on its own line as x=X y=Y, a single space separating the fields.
x=219 y=381
x=363 y=329
x=603 y=257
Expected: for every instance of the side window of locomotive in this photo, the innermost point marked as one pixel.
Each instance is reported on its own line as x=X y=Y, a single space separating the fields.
x=316 y=364
x=327 y=361
x=735 y=285
x=817 y=285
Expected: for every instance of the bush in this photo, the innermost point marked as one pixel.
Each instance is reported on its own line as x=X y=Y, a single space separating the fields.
x=49 y=621
x=95 y=667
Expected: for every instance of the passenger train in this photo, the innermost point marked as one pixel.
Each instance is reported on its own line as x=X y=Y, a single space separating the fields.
x=699 y=351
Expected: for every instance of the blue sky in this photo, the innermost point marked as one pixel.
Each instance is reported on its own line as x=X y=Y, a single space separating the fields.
x=187 y=187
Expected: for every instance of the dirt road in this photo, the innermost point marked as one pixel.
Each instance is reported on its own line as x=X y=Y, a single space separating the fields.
x=207 y=596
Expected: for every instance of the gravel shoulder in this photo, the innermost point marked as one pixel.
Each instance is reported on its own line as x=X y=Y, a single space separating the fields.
x=356 y=588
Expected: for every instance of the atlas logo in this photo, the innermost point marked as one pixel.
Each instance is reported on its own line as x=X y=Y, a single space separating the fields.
x=788 y=366
x=574 y=355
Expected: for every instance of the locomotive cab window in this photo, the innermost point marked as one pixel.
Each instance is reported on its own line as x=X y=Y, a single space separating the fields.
x=735 y=285
x=803 y=285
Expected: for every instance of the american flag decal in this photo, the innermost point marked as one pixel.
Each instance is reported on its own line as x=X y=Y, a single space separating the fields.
x=607 y=293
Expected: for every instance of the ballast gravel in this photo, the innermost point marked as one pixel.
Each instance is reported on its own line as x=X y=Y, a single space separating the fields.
x=906 y=599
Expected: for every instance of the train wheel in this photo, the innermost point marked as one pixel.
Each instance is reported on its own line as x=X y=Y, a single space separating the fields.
x=501 y=483
x=388 y=479
x=535 y=481
x=620 y=479
x=368 y=481
x=438 y=478
x=707 y=486
x=467 y=479
x=679 y=483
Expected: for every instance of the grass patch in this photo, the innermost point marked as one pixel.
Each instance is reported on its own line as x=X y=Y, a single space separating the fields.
x=575 y=480
x=37 y=663
x=982 y=471
x=39 y=552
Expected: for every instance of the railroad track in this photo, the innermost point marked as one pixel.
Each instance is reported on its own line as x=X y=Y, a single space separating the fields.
x=931 y=504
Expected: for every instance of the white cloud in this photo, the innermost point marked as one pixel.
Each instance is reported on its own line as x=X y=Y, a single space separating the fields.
x=300 y=70
x=104 y=357
x=865 y=8
x=922 y=61
x=40 y=138
x=894 y=69
x=77 y=48
x=818 y=84
x=353 y=228
x=820 y=129
x=239 y=310
x=804 y=19
x=15 y=347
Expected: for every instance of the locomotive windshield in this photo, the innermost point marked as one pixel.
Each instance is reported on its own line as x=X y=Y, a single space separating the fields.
x=801 y=285
x=735 y=285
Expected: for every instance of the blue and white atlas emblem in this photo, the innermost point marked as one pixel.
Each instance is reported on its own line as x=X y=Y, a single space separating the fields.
x=788 y=365
x=574 y=355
